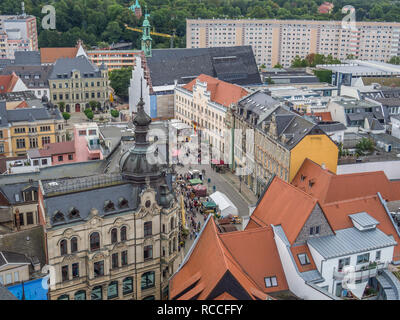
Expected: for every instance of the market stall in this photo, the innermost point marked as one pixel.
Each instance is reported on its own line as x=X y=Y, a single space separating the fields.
x=224 y=204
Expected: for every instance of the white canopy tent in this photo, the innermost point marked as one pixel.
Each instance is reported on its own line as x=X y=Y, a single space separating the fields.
x=224 y=204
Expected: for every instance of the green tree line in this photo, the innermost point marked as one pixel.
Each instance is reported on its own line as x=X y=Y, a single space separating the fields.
x=102 y=21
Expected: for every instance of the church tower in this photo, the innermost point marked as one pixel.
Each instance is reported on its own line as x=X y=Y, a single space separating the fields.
x=146 y=38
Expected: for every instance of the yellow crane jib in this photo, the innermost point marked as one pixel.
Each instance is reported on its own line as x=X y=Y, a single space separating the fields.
x=151 y=32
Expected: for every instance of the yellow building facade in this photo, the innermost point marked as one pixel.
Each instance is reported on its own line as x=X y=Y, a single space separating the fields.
x=318 y=148
x=5 y=142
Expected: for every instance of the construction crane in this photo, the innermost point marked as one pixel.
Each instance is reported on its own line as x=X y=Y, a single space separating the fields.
x=171 y=37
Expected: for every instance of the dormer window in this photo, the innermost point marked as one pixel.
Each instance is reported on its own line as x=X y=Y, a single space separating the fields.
x=311 y=183
x=109 y=206
x=74 y=213
x=303 y=258
x=123 y=203
x=271 y=282
x=302 y=178
x=58 y=216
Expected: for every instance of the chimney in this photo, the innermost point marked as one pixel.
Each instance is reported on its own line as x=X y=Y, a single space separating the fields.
x=323 y=166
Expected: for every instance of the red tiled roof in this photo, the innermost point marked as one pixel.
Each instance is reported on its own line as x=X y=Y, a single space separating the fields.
x=329 y=187
x=212 y=260
x=22 y=105
x=8 y=82
x=52 y=149
x=285 y=205
x=325 y=116
x=225 y=296
x=50 y=55
x=222 y=92
x=255 y=251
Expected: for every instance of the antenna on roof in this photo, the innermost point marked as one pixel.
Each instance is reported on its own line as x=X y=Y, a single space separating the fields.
x=23 y=8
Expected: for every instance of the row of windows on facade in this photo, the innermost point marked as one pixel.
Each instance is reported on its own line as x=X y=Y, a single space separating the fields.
x=32 y=129
x=147 y=282
x=78 y=96
x=95 y=238
x=66 y=85
x=9 y=278
x=23 y=219
x=33 y=143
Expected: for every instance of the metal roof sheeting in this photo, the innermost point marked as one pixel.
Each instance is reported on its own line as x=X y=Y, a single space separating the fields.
x=350 y=241
x=363 y=219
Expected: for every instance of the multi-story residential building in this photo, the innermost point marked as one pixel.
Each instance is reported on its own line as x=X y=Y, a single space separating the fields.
x=271 y=140
x=358 y=115
x=114 y=59
x=280 y=41
x=87 y=142
x=34 y=77
x=22 y=199
x=203 y=103
x=29 y=128
x=77 y=81
x=17 y=33
x=113 y=236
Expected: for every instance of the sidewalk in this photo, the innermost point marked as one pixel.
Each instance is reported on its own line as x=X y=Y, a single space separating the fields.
x=243 y=190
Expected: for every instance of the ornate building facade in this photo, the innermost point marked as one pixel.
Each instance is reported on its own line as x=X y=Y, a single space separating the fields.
x=113 y=236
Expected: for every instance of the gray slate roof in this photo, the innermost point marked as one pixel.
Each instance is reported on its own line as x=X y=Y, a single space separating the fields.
x=29 y=242
x=11 y=190
x=350 y=241
x=27 y=58
x=31 y=71
x=231 y=64
x=84 y=201
x=258 y=102
x=363 y=219
x=65 y=66
x=26 y=114
x=291 y=125
x=331 y=126
x=7 y=257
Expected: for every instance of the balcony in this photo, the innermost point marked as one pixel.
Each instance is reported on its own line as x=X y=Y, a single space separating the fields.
x=363 y=273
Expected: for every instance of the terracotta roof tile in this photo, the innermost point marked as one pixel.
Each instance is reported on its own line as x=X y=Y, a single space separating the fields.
x=284 y=204
x=52 y=149
x=51 y=55
x=329 y=187
x=8 y=82
x=325 y=116
x=225 y=296
x=213 y=260
x=222 y=92
x=255 y=251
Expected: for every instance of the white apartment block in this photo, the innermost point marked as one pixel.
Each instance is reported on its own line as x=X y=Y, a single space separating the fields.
x=280 y=41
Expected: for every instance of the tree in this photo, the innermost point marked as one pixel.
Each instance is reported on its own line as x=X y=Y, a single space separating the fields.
x=278 y=66
x=66 y=116
x=394 y=60
x=299 y=63
x=365 y=145
x=115 y=113
x=61 y=106
x=324 y=75
x=119 y=81
x=262 y=66
x=269 y=81
x=89 y=114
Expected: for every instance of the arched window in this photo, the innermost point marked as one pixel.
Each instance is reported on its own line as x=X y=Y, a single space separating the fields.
x=97 y=293
x=94 y=241
x=112 y=291
x=63 y=247
x=74 y=213
x=123 y=203
x=109 y=206
x=127 y=285
x=114 y=235
x=163 y=228
x=80 y=295
x=74 y=244
x=172 y=223
x=123 y=233
x=174 y=244
x=148 y=280
x=63 y=297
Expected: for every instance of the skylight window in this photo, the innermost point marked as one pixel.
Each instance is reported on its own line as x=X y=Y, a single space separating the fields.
x=271 y=282
x=303 y=258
